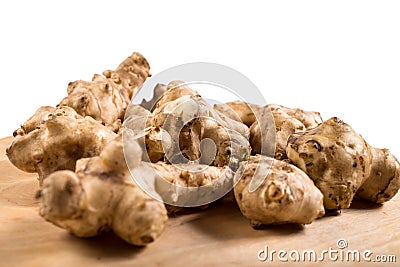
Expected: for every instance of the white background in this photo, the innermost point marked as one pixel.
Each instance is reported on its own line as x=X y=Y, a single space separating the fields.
x=341 y=58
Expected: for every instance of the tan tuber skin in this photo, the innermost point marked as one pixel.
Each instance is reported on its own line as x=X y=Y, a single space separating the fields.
x=106 y=98
x=384 y=179
x=230 y=146
x=183 y=103
x=158 y=92
x=215 y=181
x=287 y=121
x=53 y=139
x=41 y=115
x=87 y=189
x=57 y=143
x=100 y=196
x=310 y=119
x=174 y=90
x=240 y=111
x=285 y=195
x=182 y=127
x=153 y=139
x=341 y=163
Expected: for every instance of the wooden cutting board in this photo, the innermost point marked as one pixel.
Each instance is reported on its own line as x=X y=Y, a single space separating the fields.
x=218 y=236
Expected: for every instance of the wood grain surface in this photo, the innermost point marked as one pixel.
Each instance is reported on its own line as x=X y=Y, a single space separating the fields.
x=218 y=236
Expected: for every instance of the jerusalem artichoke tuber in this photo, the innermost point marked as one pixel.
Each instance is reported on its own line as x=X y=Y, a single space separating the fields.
x=285 y=194
x=41 y=115
x=106 y=98
x=55 y=138
x=180 y=150
x=100 y=196
x=240 y=111
x=191 y=185
x=57 y=143
x=182 y=127
x=384 y=179
x=287 y=121
x=158 y=92
x=341 y=163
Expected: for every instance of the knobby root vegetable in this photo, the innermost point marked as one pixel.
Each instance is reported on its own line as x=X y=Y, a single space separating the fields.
x=57 y=143
x=152 y=139
x=287 y=121
x=53 y=139
x=106 y=98
x=285 y=194
x=182 y=127
x=310 y=119
x=240 y=111
x=158 y=92
x=100 y=196
x=90 y=184
x=174 y=90
x=231 y=147
x=180 y=102
x=384 y=179
x=341 y=163
x=41 y=115
x=183 y=185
